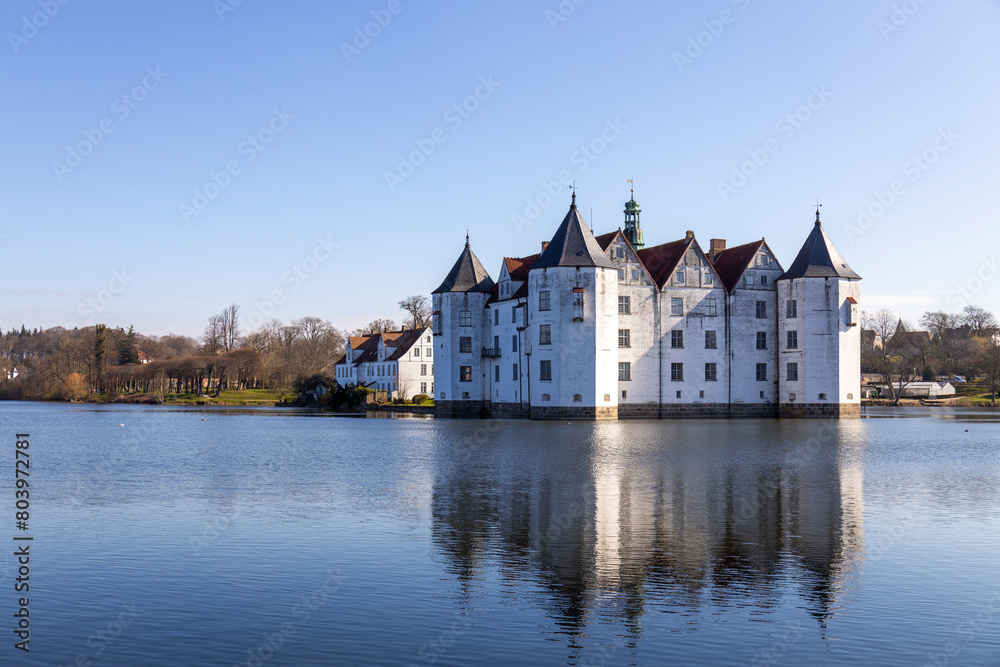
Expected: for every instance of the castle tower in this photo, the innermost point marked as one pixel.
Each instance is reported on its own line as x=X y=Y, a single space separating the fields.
x=819 y=357
x=460 y=327
x=572 y=332
x=633 y=231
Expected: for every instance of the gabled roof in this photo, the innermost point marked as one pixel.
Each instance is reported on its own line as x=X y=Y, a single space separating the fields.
x=731 y=263
x=573 y=245
x=518 y=267
x=404 y=341
x=661 y=260
x=358 y=342
x=818 y=258
x=467 y=275
x=369 y=351
x=604 y=240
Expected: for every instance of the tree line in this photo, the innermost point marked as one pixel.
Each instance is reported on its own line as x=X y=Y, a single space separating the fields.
x=963 y=344
x=72 y=364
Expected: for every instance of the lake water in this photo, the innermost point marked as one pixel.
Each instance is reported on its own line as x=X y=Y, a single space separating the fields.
x=277 y=537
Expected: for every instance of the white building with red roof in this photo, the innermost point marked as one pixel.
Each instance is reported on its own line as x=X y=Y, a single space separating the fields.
x=399 y=362
x=603 y=327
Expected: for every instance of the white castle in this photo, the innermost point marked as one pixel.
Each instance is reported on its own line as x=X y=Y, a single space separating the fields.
x=604 y=327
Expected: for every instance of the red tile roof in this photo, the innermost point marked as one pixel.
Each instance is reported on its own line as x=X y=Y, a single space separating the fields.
x=661 y=260
x=518 y=267
x=731 y=263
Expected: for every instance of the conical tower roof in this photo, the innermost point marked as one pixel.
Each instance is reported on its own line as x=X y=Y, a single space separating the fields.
x=573 y=245
x=467 y=275
x=818 y=258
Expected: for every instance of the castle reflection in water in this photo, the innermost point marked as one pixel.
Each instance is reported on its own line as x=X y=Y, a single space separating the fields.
x=611 y=519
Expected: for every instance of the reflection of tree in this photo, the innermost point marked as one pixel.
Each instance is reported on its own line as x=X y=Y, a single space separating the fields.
x=615 y=538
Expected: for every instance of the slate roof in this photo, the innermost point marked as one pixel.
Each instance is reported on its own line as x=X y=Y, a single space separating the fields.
x=573 y=245
x=731 y=263
x=467 y=275
x=818 y=258
x=661 y=260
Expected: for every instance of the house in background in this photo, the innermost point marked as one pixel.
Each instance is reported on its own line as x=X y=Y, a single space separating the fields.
x=923 y=390
x=400 y=363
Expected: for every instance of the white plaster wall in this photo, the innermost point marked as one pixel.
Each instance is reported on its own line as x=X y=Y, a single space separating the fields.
x=448 y=359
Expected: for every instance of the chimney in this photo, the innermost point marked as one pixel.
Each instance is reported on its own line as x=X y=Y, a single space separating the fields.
x=715 y=247
x=545 y=244
x=688 y=235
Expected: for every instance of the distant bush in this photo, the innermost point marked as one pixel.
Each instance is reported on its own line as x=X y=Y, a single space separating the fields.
x=420 y=398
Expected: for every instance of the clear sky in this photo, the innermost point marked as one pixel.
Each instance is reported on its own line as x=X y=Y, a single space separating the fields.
x=161 y=160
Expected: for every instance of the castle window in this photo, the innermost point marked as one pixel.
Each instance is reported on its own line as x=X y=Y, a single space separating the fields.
x=515 y=373
x=427 y=353
x=763 y=281
x=711 y=373
x=545 y=334
x=465 y=373
x=465 y=394
x=761 y=340
x=620 y=252
x=762 y=310
x=764 y=260
x=496 y=373
x=678 y=393
x=416 y=351
x=545 y=398
x=792 y=372
x=761 y=372
x=793 y=340
x=707 y=278
x=750 y=280
x=513 y=315
x=791 y=308
x=624 y=305
x=624 y=394
x=513 y=343
x=624 y=371
x=635 y=274
x=710 y=308
x=822 y=397
x=423 y=370
x=545 y=370
x=624 y=338
x=621 y=274
x=423 y=387
x=465 y=318
x=676 y=306
x=496 y=344
x=701 y=394
x=679 y=277
x=578 y=398
x=710 y=341
x=677 y=372
x=465 y=344
x=676 y=339
x=544 y=302
x=496 y=317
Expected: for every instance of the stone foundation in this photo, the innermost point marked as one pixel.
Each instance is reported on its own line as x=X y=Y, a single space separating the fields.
x=508 y=410
x=828 y=410
x=566 y=412
x=696 y=410
x=473 y=409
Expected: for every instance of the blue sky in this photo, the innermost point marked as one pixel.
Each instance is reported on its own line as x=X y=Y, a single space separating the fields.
x=162 y=160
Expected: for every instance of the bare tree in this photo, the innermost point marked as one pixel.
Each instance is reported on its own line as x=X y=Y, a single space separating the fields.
x=419 y=311
x=230 y=327
x=938 y=323
x=978 y=319
x=988 y=351
x=374 y=327
x=896 y=361
x=211 y=340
